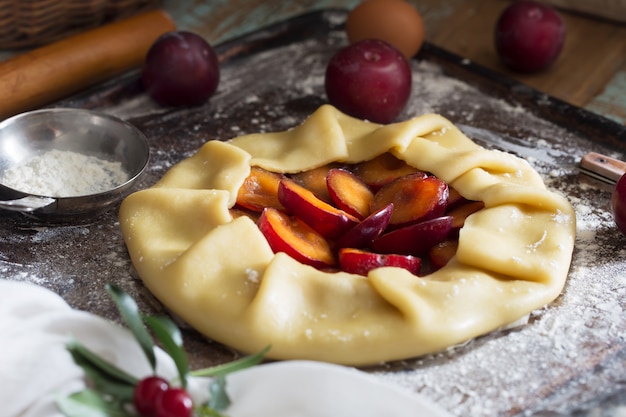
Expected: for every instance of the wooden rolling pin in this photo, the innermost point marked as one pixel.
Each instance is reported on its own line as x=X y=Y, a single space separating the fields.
x=54 y=71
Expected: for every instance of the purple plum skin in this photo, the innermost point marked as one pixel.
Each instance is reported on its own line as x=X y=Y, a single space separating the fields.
x=180 y=69
x=529 y=36
x=369 y=80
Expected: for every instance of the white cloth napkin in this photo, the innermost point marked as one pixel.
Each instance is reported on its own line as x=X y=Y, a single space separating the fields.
x=36 y=324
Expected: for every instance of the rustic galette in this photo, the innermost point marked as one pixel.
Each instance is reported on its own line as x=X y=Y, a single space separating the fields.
x=221 y=241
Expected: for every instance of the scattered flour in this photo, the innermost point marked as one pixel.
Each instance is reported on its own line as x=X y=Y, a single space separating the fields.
x=557 y=362
x=64 y=174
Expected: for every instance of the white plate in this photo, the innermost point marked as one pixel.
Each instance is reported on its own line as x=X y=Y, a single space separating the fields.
x=35 y=366
x=315 y=389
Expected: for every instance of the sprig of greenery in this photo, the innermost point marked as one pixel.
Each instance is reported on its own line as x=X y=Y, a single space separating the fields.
x=230 y=367
x=90 y=403
x=172 y=340
x=104 y=376
x=132 y=317
x=112 y=388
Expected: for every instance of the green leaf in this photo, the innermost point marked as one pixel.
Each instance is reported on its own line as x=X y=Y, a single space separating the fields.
x=172 y=340
x=206 y=411
x=239 y=364
x=104 y=375
x=89 y=403
x=83 y=355
x=219 y=398
x=132 y=317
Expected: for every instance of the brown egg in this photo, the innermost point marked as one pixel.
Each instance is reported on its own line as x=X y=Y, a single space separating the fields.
x=393 y=21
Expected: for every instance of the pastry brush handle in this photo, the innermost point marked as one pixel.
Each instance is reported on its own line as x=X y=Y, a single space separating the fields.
x=604 y=166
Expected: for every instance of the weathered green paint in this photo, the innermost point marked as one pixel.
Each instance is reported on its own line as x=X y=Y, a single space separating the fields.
x=229 y=21
x=612 y=101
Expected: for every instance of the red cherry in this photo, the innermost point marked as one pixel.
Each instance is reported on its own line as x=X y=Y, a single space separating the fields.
x=146 y=394
x=618 y=203
x=175 y=402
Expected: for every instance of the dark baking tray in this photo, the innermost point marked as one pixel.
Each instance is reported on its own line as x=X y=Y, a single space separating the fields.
x=569 y=359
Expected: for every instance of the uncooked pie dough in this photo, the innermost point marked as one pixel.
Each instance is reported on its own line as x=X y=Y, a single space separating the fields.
x=220 y=275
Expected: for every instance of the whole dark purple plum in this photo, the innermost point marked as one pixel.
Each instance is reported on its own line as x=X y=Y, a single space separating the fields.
x=180 y=69
x=369 y=79
x=529 y=36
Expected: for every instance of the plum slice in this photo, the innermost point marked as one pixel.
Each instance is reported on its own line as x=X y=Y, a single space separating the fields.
x=454 y=198
x=462 y=211
x=441 y=253
x=361 y=262
x=415 y=197
x=361 y=235
x=380 y=212
x=290 y=235
x=314 y=180
x=260 y=190
x=327 y=220
x=414 y=239
x=382 y=170
x=349 y=192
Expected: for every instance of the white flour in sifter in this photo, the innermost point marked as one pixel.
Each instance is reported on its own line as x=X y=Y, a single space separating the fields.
x=64 y=174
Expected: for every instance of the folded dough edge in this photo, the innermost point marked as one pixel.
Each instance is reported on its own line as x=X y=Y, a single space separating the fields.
x=220 y=276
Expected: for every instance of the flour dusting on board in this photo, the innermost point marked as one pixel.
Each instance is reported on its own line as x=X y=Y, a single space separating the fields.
x=545 y=365
x=569 y=351
x=558 y=344
x=511 y=369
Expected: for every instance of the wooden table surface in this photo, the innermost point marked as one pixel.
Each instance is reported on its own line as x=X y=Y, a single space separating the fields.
x=591 y=71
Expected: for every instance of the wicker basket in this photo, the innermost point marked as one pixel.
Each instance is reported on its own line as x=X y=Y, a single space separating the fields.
x=29 y=23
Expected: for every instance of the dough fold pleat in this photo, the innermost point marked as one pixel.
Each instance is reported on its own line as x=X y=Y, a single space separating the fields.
x=218 y=273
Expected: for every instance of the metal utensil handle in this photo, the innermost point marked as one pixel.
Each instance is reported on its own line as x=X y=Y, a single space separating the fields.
x=27 y=204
